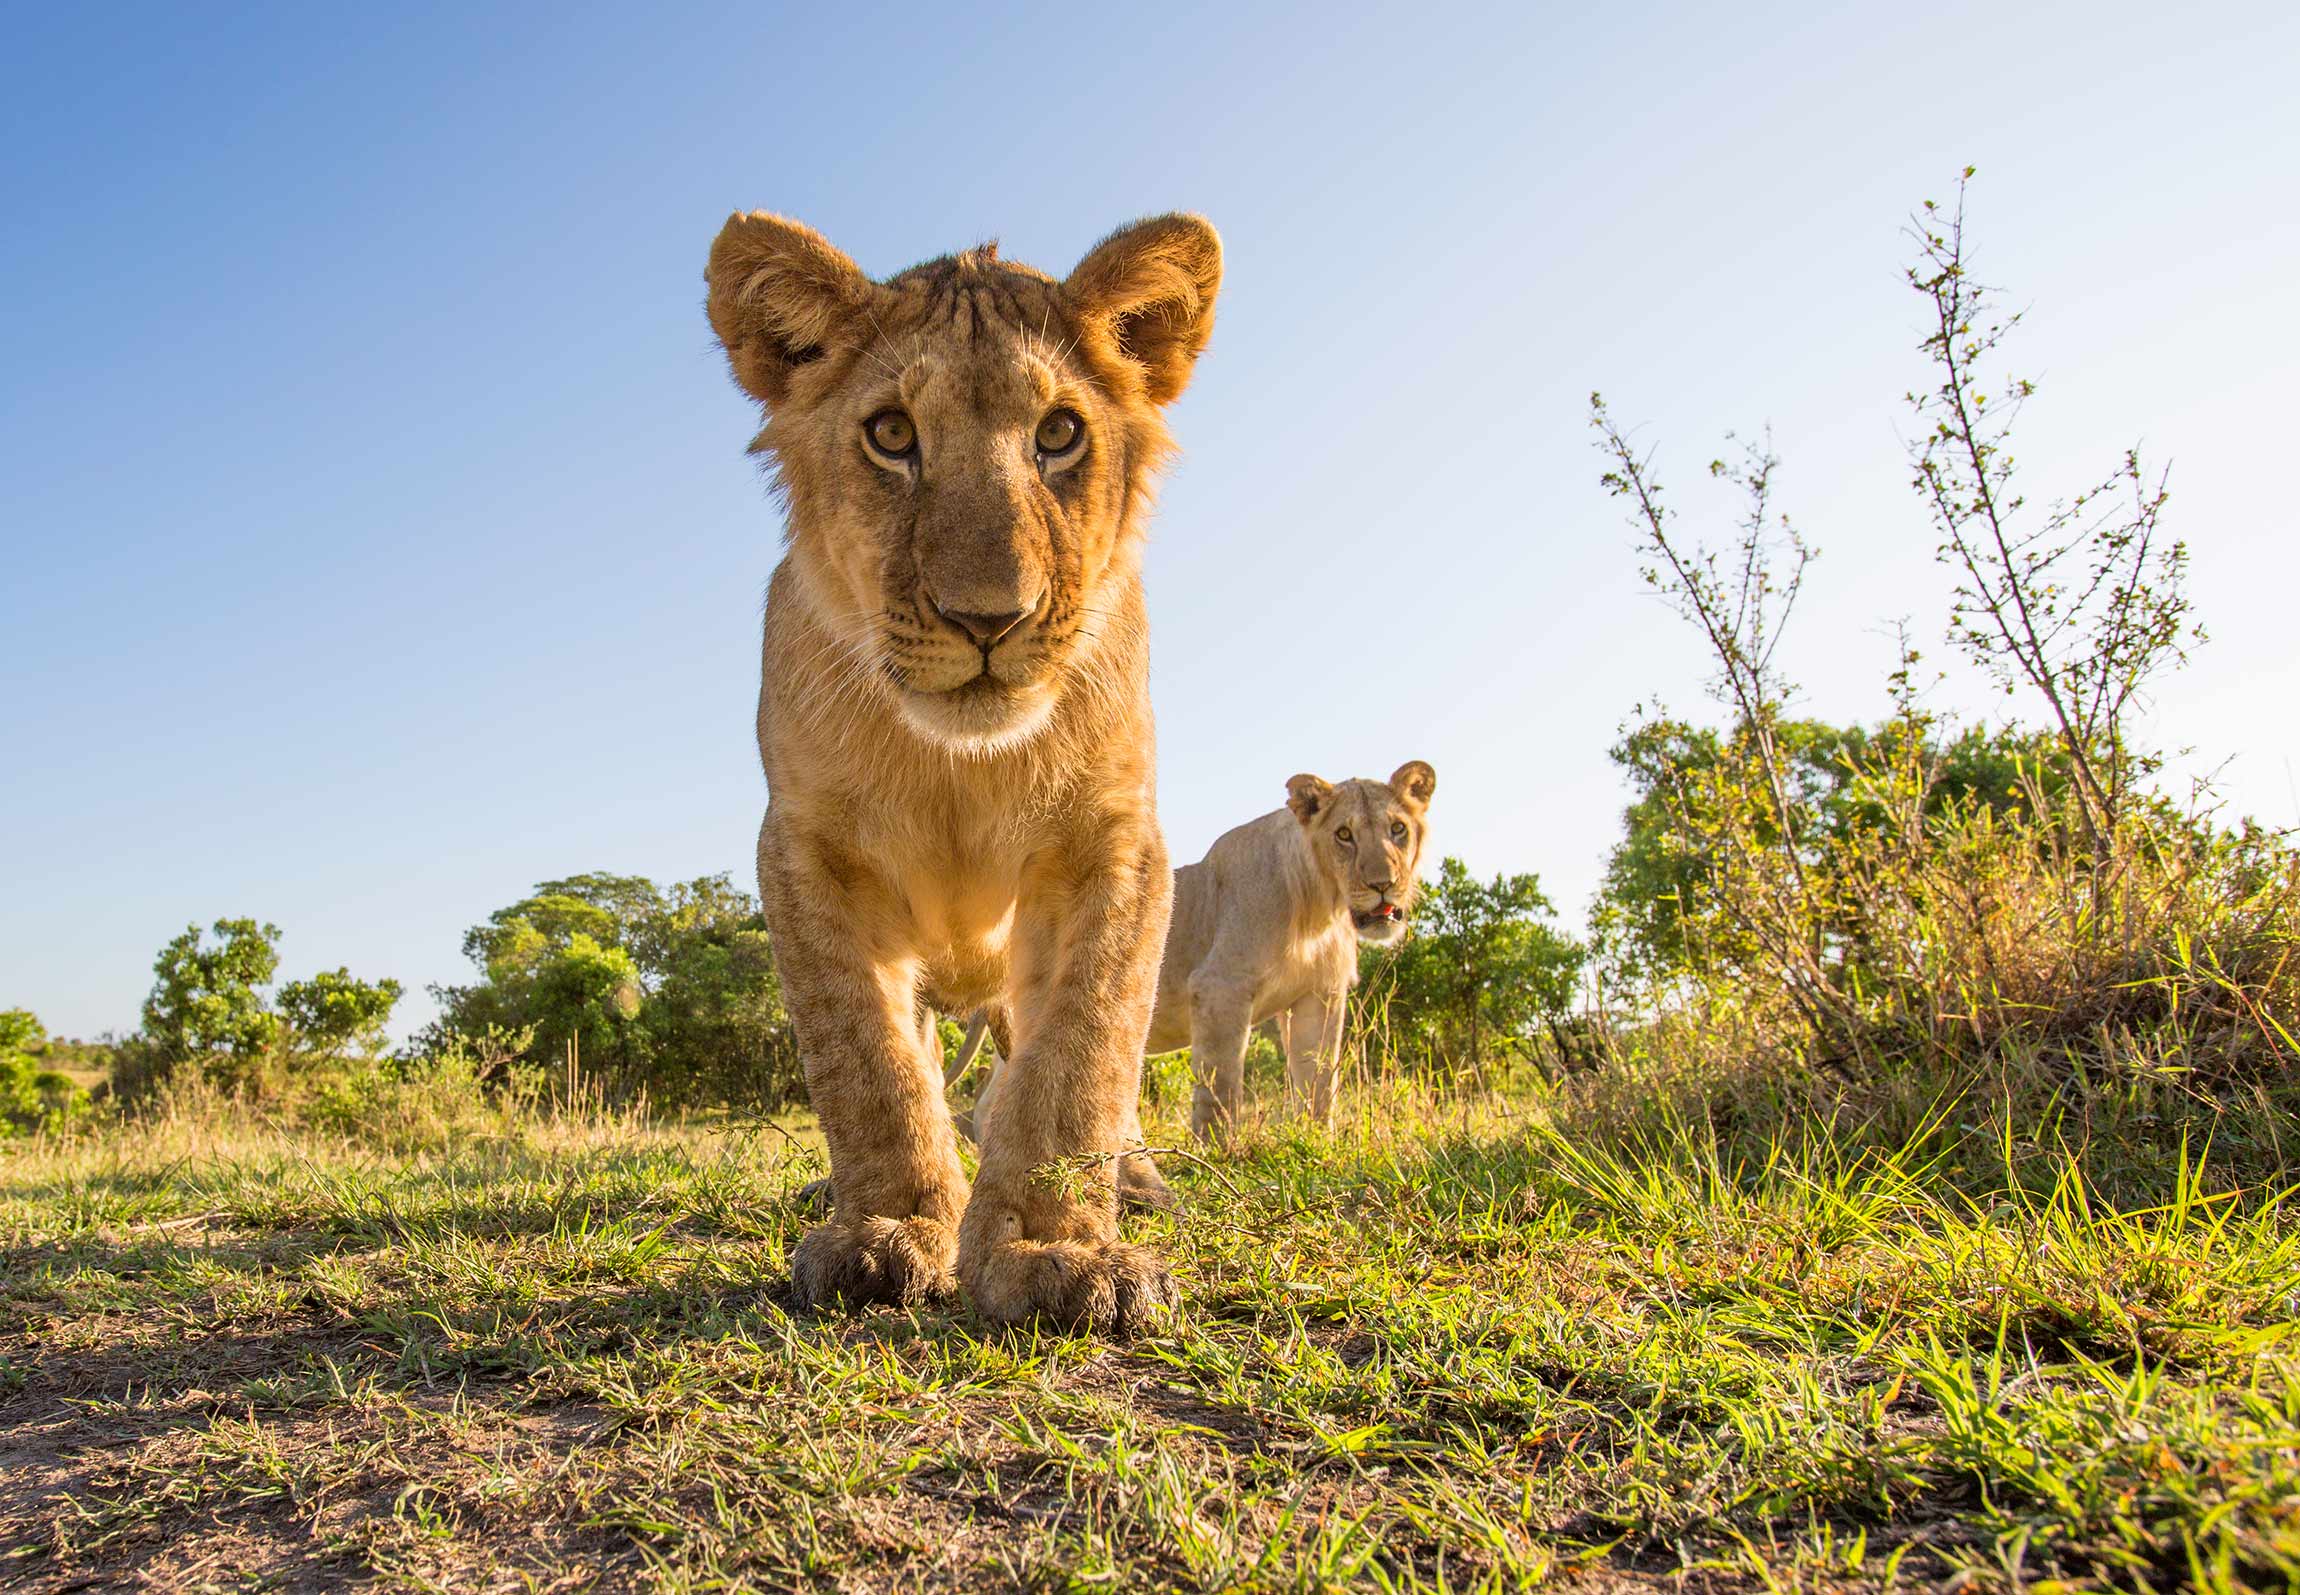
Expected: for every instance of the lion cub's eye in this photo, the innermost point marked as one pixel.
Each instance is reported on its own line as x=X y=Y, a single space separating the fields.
x=1059 y=432
x=890 y=432
x=1398 y=829
x=1343 y=836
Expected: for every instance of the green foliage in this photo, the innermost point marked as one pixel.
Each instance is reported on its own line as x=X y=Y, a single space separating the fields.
x=21 y=1033
x=1668 y=855
x=713 y=1016
x=1858 y=899
x=671 y=991
x=33 y=1097
x=208 y=1011
x=427 y=1104
x=1482 y=973
x=1849 y=905
x=334 y=1013
x=206 y=999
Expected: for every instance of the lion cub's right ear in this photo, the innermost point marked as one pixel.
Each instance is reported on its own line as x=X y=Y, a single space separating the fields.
x=779 y=294
x=1307 y=795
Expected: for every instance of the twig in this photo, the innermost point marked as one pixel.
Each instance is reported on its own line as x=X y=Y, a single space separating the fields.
x=188 y=1221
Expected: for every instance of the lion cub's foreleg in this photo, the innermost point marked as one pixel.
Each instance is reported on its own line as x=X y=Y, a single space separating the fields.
x=1314 y=1054
x=1221 y=1017
x=1040 y=1237
x=875 y=1087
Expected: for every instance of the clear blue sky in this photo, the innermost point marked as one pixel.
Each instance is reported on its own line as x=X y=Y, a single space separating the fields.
x=379 y=539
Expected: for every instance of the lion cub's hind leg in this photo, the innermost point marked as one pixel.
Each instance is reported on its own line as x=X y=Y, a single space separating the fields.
x=1140 y=1185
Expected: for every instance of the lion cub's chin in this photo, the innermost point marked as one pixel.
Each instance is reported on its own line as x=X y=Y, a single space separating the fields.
x=1382 y=932
x=981 y=718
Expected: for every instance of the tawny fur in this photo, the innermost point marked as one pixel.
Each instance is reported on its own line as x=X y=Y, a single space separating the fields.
x=1267 y=926
x=948 y=822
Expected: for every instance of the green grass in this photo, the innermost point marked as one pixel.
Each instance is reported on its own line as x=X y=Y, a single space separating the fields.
x=1453 y=1348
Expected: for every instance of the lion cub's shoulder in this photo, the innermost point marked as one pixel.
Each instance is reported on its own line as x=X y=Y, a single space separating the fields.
x=1257 y=884
x=1266 y=842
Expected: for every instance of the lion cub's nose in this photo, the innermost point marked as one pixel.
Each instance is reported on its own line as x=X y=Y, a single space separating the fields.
x=988 y=631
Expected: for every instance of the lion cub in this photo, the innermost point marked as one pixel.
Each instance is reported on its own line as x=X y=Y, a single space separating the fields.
x=1267 y=925
x=954 y=717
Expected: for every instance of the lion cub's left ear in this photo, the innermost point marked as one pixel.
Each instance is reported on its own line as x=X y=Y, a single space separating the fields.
x=1414 y=783
x=1146 y=294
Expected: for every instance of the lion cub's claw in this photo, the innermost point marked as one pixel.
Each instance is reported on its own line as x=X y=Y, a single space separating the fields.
x=1093 y=1287
x=905 y=1261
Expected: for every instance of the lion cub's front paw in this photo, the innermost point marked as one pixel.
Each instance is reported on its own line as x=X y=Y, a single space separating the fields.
x=899 y=1260
x=1098 y=1287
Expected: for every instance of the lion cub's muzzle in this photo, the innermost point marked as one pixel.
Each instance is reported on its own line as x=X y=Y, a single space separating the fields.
x=980 y=675
x=980 y=641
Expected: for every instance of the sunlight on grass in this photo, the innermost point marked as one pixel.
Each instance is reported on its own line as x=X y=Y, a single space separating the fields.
x=1478 y=1345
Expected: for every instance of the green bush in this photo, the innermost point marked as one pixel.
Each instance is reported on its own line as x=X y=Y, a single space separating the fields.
x=1925 y=918
x=333 y=1013
x=208 y=1013
x=206 y=1000
x=670 y=993
x=33 y=1097
x=417 y=1104
x=1485 y=977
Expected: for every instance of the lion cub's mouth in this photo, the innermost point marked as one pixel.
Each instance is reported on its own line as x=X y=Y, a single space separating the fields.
x=978 y=715
x=1379 y=914
x=980 y=685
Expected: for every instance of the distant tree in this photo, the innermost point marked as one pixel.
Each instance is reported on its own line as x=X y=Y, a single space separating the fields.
x=207 y=997
x=714 y=1014
x=588 y=993
x=1484 y=971
x=1653 y=875
x=671 y=989
x=658 y=930
x=21 y=1034
x=601 y=907
x=568 y=986
x=715 y=1022
x=627 y=900
x=334 y=1013
x=208 y=1009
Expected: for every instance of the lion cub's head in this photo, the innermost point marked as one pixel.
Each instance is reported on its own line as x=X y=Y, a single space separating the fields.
x=1368 y=836
x=964 y=448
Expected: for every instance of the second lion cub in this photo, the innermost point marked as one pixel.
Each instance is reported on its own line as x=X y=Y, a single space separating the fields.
x=1267 y=925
